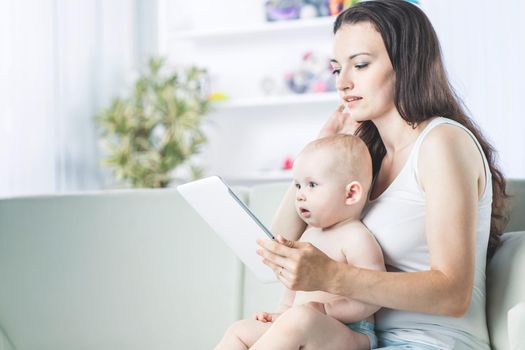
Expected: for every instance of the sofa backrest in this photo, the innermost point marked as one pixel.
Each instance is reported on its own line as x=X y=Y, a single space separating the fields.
x=118 y=270
x=516 y=190
x=141 y=270
x=264 y=201
x=506 y=271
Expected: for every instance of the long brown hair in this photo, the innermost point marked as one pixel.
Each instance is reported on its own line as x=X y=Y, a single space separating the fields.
x=422 y=88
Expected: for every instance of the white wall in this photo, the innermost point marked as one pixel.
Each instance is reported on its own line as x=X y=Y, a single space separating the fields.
x=484 y=48
x=26 y=96
x=483 y=45
x=62 y=61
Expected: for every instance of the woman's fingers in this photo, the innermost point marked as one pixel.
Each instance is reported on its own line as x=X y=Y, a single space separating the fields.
x=279 y=256
x=340 y=122
x=298 y=265
x=284 y=266
x=287 y=277
x=281 y=253
x=275 y=267
x=274 y=247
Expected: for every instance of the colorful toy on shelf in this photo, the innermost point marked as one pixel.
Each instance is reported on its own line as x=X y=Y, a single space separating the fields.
x=335 y=6
x=218 y=96
x=315 y=8
x=287 y=163
x=281 y=10
x=313 y=75
x=268 y=85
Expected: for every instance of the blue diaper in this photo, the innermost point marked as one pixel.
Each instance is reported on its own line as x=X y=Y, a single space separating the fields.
x=366 y=328
x=391 y=345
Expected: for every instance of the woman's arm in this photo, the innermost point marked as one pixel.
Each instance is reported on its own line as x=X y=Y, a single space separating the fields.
x=449 y=166
x=286 y=222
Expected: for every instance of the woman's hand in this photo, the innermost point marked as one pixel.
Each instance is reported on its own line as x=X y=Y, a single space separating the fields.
x=339 y=122
x=298 y=265
x=265 y=317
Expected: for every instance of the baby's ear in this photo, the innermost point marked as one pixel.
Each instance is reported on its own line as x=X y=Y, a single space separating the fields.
x=354 y=192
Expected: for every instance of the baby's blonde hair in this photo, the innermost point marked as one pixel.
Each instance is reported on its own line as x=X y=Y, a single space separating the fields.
x=351 y=158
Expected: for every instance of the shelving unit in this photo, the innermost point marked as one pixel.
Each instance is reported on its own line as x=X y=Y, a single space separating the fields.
x=263 y=28
x=275 y=101
x=250 y=134
x=248 y=179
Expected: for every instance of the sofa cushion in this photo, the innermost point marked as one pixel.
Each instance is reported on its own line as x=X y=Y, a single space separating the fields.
x=505 y=286
x=113 y=270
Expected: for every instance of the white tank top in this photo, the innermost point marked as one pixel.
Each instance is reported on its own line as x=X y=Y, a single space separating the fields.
x=397 y=219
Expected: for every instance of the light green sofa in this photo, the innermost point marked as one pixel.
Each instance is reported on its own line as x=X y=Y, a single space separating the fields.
x=140 y=270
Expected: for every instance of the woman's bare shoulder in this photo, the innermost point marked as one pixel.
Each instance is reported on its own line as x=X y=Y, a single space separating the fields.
x=447 y=137
x=449 y=150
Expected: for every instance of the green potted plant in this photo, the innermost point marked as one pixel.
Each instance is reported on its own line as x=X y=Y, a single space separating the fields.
x=157 y=128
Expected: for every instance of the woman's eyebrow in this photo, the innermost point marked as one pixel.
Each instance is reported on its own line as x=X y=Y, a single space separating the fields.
x=359 y=54
x=333 y=60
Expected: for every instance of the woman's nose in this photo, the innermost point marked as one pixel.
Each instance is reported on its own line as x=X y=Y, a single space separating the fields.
x=344 y=82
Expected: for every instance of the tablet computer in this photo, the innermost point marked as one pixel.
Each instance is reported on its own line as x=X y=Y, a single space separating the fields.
x=231 y=219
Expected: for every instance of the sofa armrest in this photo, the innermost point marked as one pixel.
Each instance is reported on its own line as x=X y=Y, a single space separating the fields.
x=134 y=269
x=505 y=286
x=516 y=325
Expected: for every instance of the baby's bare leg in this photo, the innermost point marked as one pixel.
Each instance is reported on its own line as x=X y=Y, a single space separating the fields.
x=242 y=335
x=302 y=327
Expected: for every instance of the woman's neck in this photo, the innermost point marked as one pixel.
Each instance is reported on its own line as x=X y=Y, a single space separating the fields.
x=396 y=134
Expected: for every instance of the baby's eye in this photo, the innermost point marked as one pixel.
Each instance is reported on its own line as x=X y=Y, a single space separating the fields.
x=361 y=65
x=312 y=184
x=298 y=186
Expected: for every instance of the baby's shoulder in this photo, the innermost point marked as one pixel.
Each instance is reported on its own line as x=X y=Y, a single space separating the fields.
x=360 y=246
x=355 y=230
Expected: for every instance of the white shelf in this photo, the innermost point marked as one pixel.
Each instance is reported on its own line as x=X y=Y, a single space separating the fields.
x=259 y=177
x=268 y=27
x=285 y=100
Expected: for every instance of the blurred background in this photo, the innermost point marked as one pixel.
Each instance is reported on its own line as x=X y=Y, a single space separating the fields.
x=70 y=101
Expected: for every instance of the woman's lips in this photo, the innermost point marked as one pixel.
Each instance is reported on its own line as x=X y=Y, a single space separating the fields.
x=352 y=100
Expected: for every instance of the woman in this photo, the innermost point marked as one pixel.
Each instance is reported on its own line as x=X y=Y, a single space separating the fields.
x=437 y=201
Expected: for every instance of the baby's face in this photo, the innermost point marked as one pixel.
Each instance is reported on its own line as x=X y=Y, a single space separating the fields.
x=320 y=191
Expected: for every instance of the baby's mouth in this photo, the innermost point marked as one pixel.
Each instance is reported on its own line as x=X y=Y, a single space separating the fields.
x=305 y=212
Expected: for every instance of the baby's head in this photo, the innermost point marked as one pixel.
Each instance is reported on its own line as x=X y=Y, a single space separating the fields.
x=332 y=176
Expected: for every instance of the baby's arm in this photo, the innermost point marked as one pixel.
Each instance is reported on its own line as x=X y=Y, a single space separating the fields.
x=286 y=302
x=361 y=250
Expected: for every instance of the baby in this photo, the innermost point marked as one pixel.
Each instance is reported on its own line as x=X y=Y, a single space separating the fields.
x=332 y=177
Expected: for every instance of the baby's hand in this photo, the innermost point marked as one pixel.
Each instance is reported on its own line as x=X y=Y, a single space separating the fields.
x=266 y=317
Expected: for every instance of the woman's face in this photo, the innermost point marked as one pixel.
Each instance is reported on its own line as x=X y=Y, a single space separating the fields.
x=365 y=78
